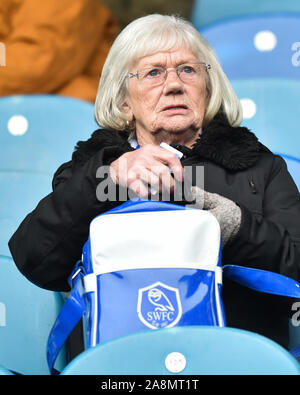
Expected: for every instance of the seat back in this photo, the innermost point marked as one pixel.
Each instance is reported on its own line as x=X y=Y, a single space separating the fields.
x=271 y=108
x=263 y=46
x=20 y=193
x=211 y=11
x=39 y=132
x=5 y=372
x=27 y=314
x=198 y=350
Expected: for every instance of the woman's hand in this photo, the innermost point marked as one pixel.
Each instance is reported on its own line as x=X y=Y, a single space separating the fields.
x=225 y=211
x=147 y=166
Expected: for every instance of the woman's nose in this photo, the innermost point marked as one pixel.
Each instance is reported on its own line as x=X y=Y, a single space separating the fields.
x=172 y=82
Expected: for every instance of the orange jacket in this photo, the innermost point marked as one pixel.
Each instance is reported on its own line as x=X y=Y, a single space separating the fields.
x=54 y=46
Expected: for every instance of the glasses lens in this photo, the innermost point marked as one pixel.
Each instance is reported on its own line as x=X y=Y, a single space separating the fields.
x=187 y=72
x=152 y=75
x=190 y=72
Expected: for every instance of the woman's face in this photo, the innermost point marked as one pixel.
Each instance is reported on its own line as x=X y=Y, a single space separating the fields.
x=174 y=106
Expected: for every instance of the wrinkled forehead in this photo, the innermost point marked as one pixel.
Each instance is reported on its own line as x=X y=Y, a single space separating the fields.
x=163 y=47
x=171 y=58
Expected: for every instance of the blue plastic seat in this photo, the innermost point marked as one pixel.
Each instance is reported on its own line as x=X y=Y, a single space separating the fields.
x=206 y=350
x=54 y=125
x=37 y=134
x=27 y=314
x=274 y=116
x=245 y=50
x=5 y=372
x=51 y=126
x=20 y=193
x=208 y=11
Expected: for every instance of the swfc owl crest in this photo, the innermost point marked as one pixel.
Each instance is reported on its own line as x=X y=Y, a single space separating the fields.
x=159 y=306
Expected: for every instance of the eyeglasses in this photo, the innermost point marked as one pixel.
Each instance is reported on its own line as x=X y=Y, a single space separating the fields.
x=187 y=73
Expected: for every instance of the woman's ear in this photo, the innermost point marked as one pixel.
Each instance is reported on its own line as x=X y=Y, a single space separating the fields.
x=127 y=111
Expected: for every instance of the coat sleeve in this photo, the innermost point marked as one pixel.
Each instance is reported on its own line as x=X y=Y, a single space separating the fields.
x=49 y=241
x=51 y=42
x=271 y=241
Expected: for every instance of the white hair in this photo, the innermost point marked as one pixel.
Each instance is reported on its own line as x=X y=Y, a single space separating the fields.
x=149 y=35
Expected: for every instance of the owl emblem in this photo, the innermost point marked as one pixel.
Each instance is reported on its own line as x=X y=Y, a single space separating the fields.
x=159 y=306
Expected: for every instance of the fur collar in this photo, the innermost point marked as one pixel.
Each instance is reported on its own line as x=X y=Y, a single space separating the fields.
x=234 y=148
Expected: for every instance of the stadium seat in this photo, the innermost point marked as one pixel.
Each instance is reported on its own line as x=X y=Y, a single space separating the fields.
x=39 y=132
x=257 y=46
x=209 y=11
x=5 y=372
x=20 y=193
x=271 y=110
x=199 y=351
x=27 y=314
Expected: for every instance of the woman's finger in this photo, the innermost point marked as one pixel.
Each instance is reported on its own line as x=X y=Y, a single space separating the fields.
x=139 y=188
x=150 y=178
x=162 y=173
x=151 y=164
x=171 y=161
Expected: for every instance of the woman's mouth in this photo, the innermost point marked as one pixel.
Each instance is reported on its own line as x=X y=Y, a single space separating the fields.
x=175 y=109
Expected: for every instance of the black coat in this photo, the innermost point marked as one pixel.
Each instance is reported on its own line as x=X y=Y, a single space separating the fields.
x=49 y=241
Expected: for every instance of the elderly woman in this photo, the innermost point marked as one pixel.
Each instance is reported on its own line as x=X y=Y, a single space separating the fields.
x=162 y=83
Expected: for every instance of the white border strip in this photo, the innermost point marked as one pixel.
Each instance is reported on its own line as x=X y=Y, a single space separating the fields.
x=119 y=266
x=90 y=282
x=218 y=280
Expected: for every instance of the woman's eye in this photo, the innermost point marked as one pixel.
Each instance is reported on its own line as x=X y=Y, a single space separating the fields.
x=154 y=73
x=188 y=70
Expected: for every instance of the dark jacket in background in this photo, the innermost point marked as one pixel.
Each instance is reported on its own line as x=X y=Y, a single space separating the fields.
x=50 y=239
